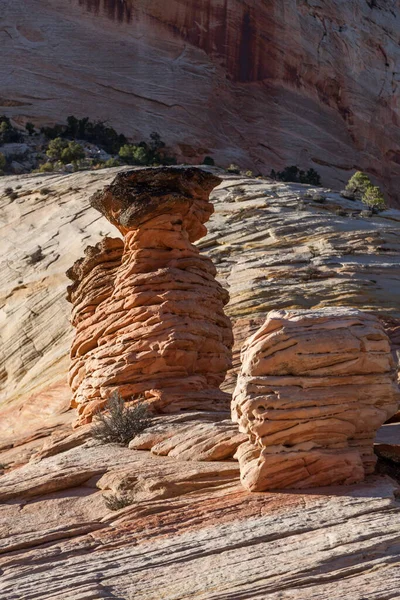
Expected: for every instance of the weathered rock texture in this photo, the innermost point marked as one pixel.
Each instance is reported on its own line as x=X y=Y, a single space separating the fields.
x=313 y=390
x=273 y=246
x=192 y=530
x=149 y=313
x=263 y=84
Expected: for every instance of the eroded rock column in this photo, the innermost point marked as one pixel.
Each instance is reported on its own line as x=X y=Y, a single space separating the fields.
x=159 y=328
x=314 y=388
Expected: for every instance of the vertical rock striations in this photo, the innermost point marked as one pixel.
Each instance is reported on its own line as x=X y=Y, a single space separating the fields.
x=149 y=313
x=313 y=389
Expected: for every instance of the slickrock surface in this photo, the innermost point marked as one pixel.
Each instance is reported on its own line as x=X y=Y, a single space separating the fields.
x=314 y=388
x=191 y=436
x=261 y=84
x=273 y=248
x=192 y=531
x=149 y=313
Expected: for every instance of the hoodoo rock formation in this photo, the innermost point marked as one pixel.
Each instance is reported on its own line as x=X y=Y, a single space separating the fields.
x=314 y=388
x=148 y=312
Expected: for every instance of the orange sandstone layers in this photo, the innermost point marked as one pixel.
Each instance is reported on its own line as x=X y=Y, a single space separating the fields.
x=148 y=312
x=313 y=389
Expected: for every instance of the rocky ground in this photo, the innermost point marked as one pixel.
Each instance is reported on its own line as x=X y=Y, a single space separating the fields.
x=191 y=530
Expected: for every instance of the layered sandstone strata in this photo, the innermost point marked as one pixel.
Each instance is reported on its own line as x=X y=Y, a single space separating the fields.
x=149 y=313
x=313 y=389
x=261 y=84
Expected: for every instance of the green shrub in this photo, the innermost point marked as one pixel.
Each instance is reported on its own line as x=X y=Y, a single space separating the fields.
x=146 y=154
x=120 y=424
x=46 y=167
x=112 y=162
x=8 y=133
x=135 y=155
x=360 y=187
x=358 y=184
x=72 y=153
x=3 y=163
x=65 y=151
x=374 y=198
x=208 y=160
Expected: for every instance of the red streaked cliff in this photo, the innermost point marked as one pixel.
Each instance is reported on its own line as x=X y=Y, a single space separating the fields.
x=261 y=83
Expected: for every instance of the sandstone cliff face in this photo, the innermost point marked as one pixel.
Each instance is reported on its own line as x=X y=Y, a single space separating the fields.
x=264 y=84
x=149 y=312
x=313 y=389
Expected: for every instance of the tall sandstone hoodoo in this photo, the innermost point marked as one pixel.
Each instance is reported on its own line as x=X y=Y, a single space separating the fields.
x=148 y=311
x=313 y=389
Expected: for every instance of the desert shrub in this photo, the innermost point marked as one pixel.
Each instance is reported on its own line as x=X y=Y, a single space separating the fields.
x=36 y=256
x=374 y=198
x=135 y=155
x=146 y=153
x=45 y=191
x=208 y=160
x=293 y=174
x=234 y=169
x=53 y=132
x=65 y=151
x=120 y=424
x=3 y=163
x=8 y=133
x=358 y=184
x=112 y=162
x=115 y=502
x=72 y=153
x=30 y=128
x=8 y=191
x=46 y=167
x=13 y=195
x=360 y=187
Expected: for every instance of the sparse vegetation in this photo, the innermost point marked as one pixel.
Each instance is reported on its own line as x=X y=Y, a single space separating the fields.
x=45 y=191
x=64 y=151
x=30 y=128
x=146 y=154
x=115 y=502
x=360 y=187
x=295 y=175
x=120 y=424
x=233 y=169
x=36 y=256
x=8 y=133
x=3 y=163
x=46 y=167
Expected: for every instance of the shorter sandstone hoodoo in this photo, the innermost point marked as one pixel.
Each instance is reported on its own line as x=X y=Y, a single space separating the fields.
x=148 y=310
x=314 y=388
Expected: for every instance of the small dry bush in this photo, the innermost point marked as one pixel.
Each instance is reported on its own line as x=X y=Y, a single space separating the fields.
x=120 y=424
x=115 y=502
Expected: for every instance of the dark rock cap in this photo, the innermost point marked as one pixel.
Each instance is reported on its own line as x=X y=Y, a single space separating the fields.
x=138 y=195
